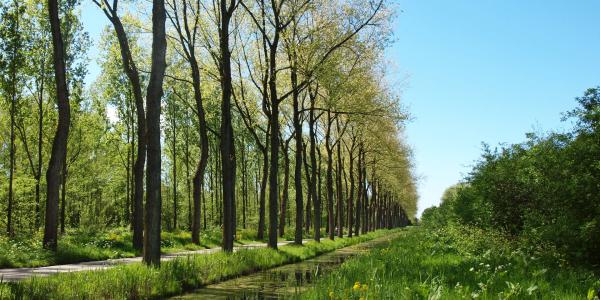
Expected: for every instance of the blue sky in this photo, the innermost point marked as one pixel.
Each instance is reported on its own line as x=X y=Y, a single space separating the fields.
x=488 y=71
x=476 y=71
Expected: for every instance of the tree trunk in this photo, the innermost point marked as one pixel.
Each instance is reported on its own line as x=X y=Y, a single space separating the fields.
x=59 y=145
x=152 y=221
x=126 y=216
x=313 y=161
x=263 y=193
x=174 y=145
x=298 y=156
x=38 y=174
x=286 y=181
x=187 y=175
x=350 y=200
x=309 y=193
x=365 y=212
x=328 y=148
x=227 y=141
x=203 y=128
x=13 y=112
x=320 y=187
x=340 y=198
x=359 y=197
x=9 y=209
x=63 y=202
x=274 y=122
x=244 y=184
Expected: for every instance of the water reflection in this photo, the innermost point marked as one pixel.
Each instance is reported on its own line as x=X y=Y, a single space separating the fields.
x=282 y=282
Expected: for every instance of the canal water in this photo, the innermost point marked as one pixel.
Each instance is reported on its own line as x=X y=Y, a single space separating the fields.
x=286 y=281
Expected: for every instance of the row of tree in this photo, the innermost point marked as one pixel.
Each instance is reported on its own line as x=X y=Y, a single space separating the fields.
x=250 y=99
x=544 y=189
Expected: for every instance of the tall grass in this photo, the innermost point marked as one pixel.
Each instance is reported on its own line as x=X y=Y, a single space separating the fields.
x=457 y=263
x=173 y=277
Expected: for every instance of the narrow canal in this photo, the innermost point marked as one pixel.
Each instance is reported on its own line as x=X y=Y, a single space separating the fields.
x=287 y=281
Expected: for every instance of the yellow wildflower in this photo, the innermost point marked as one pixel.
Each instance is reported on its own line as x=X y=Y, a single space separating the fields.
x=356 y=286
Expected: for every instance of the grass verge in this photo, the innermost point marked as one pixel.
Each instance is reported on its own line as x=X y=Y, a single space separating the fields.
x=457 y=263
x=173 y=277
x=90 y=245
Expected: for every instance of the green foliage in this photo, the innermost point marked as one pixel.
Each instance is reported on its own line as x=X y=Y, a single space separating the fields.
x=456 y=262
x=545 y=189
x=173 y=277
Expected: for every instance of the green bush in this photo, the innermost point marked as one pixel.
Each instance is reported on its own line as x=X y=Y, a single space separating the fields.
x=545 y=189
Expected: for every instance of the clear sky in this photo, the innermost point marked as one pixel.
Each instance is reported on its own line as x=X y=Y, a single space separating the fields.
x=476 y=71
x=488 y=71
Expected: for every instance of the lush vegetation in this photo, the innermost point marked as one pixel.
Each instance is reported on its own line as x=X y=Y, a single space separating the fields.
x=268 y=120
x=87 y=245
x=544 y=190
x=458 y=262
x=173 y=277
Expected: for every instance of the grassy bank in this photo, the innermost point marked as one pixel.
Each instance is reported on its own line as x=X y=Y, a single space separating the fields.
x=85 y=245
x=457 y=263
x=89 y=245
x=172 y=278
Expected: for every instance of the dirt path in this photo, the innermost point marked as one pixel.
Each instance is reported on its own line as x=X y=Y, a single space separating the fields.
x=16 y=274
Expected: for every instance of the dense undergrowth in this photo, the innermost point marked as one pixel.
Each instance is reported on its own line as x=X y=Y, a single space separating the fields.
x=458 y=262
x=173 y=277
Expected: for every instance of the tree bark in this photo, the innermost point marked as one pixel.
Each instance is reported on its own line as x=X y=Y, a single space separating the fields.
x=187 y=175
x=63 y=194
x=227 y=141
x=359 y=198
x=174 y=146
x=328 y=148
x=59 y=145
x=298 y=155
x=340 y=198
x=263 y=192
x=38 y=174
x=9 y=210
x=350 y=200
x=274 y=122
x=313 y=161
x=286 y=180
x=154 y=93
x=309 y=193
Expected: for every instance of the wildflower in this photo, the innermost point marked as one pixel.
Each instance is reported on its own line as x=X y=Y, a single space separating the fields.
x=356 y=286
x=365 y=287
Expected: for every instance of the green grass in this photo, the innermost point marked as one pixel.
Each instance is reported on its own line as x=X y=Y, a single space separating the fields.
x=457 y=263
x=85 y=245
x=172 y=278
